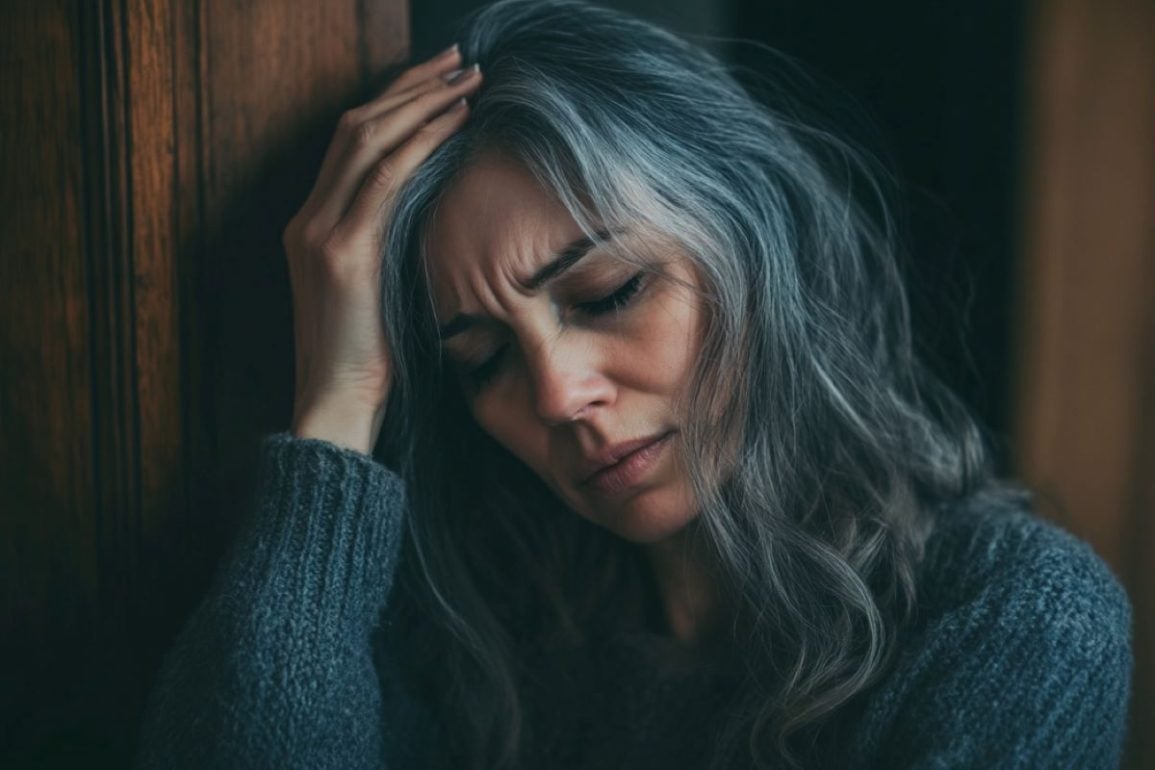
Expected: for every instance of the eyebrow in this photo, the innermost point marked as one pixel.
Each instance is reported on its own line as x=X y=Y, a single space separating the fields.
x=562 y=261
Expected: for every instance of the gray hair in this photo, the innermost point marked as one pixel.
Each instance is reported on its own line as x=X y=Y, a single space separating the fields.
x=838 y=446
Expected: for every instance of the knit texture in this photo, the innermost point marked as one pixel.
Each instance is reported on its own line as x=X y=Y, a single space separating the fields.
x=1021 y=657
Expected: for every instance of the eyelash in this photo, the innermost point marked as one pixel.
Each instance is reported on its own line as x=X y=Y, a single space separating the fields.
x=480 y=375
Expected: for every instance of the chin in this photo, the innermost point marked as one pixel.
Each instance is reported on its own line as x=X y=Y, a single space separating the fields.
x=649 y=517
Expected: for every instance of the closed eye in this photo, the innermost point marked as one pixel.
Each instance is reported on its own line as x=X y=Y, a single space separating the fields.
x=482 y=374
x=615 y=301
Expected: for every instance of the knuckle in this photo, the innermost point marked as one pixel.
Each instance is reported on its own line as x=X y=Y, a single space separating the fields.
x=424 y=133
x=428 y=135
x=297 y=233
x=382 y=175
x=332 y=251
x=431 y=98
x=364 y=134
x=313 y=235
x=349 y=121
x=423 y=104
x=342 y=260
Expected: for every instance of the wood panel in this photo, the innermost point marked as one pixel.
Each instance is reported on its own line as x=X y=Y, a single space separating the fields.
x=49 y=555
x=1086 y=385
x=152 y=152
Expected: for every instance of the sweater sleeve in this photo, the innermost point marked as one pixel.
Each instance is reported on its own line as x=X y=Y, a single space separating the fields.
x=275 y=667
x=1034 y=672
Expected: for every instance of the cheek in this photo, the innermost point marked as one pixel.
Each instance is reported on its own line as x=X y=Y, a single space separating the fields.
x=505 y=417
x=664 y=344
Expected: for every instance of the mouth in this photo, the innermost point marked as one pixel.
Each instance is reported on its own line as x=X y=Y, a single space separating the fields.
x=624 y=464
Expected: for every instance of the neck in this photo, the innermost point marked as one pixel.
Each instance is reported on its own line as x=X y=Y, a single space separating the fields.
x=688 y=585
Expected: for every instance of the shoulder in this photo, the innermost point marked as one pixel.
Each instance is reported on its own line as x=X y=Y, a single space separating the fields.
x=1021 y=654
x=992 y=558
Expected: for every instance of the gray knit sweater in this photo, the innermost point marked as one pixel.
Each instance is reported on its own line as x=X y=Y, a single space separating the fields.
x=1022 y=658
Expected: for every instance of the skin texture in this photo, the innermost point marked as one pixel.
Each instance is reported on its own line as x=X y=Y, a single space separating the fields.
x=573 y=389
x=570 y=377
x=333 y=246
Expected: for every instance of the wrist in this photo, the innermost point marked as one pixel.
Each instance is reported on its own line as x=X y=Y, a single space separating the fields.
x=344 y=422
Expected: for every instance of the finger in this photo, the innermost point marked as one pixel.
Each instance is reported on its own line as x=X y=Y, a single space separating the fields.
x=347 y=127
x=385 y=103
x=368 y=210
x=362 y=138
x=413 y=82
x=378 y=136
x=395 y=94
x=443 y=62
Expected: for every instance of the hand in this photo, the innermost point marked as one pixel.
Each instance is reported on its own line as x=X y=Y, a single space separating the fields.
x=333 y=244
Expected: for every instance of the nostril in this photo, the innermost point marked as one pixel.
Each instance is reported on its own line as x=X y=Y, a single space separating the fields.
x=567 y=381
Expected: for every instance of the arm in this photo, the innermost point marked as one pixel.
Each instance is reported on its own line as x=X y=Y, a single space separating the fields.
x=274 y=669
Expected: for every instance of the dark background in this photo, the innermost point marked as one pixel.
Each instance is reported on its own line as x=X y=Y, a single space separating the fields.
x=151 y=152
x=933 y=88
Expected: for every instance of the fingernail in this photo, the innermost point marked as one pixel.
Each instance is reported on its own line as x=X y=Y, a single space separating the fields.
x=464 y=74
x=450 y=50
x=449 y=77
x=461 y=104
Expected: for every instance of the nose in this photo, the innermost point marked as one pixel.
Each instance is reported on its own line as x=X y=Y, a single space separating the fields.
x=567 y=381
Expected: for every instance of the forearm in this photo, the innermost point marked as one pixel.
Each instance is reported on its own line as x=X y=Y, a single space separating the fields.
x=275 y=667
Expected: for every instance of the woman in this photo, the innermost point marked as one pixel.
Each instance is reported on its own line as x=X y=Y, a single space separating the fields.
x=664 y=484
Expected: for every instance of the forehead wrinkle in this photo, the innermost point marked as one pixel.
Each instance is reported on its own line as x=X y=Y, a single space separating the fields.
x=494 y=278
x=485 y=246
x=475 y=290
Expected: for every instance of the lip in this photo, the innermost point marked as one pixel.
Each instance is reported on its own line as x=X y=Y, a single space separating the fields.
x=618 y=466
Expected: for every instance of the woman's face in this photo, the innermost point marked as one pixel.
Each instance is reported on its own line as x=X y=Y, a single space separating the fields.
x=568 y=356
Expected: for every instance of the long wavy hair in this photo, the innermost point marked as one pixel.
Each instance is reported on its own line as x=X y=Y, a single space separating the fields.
x=839 y=447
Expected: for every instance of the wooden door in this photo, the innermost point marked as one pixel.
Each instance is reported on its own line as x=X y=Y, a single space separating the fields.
x=152 y=151
x=1085 y=392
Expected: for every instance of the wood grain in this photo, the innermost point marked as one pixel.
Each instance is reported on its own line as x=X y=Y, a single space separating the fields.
x=1086 y=384
x=49 y=556
x=153 y=151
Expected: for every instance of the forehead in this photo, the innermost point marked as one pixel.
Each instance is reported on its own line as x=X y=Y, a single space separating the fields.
x=495 y=221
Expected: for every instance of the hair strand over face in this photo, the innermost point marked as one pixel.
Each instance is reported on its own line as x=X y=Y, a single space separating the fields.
x=837 y=447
